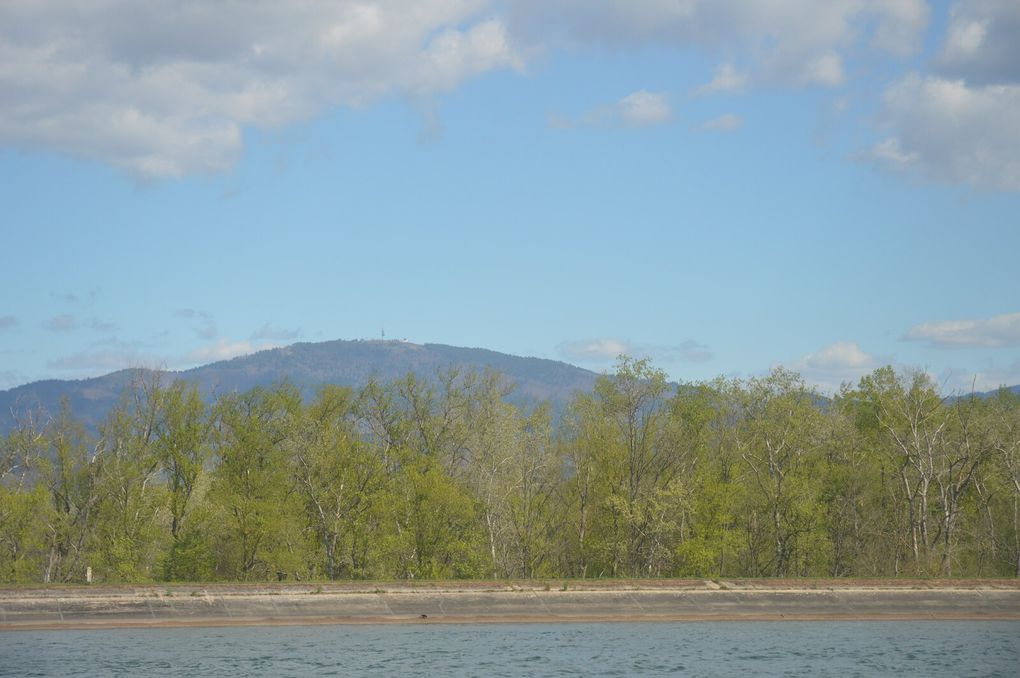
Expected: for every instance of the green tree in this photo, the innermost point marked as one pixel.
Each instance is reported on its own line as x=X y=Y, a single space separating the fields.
x=22 y=503
x=340 y=477
x=775 y=436
x=72 y=471
x=181 y=444
x=252 y=488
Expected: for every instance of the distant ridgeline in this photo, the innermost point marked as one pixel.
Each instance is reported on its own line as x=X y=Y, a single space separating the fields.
x=307 y=366
x=428 y=469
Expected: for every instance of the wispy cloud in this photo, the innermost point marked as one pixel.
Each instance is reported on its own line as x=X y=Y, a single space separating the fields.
x=100 y=325
x=638 y=109
x=593 y=349
x=724 y=123
x=108 y=360
x=995 y=332
x=988 y=378
x=203 y=324
x=608 y=349
x=727 y=79
x=64 y=322
x=88 y=297
x=7 y=322
x=224 y=349
x=643 y=108
x=11 y=378
x=269 y=331
x=116 y=355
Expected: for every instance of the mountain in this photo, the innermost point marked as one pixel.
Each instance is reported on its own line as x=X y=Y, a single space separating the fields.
x=307 y=366
x=986 y=394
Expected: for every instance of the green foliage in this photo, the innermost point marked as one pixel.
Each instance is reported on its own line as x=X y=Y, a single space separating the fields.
x=417 y=479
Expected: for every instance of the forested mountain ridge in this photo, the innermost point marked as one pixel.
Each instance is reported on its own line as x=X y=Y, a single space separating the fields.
x=307 y=366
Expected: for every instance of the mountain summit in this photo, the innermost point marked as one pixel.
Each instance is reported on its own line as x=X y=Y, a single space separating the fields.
x=308 y=366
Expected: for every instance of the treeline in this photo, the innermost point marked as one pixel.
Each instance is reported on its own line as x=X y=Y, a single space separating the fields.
x=447 y=479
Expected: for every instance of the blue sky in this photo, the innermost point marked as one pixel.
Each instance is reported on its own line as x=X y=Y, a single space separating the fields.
x=723 y=186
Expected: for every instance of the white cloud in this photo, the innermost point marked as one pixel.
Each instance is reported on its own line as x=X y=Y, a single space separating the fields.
x=67 y=322
x=962 y=381
x=11 y=378
x=900 y=25
x=269 y=331
x=122 y=355
x=100 y=325
x=638 y=109
x=593 y=349
x=995 y=332
x=727 y=79
x=75 y=298
x=204 y=326
x=991 y=378
x=642 y=108
x=165 y=88
x=61 y=323
x=841 y=355
x=608 y=349
x=826 y=69
x=889 y=154
x=224 y=349
x=791 y=42
x=951 y=132
x=835 y=364
x=981 y=43
x=724 y=123
x=106 y=361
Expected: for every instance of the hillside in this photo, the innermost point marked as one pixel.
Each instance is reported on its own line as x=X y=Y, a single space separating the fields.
x=308 y=366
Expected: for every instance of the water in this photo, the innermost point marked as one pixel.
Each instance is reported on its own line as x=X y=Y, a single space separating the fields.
x=698 y=649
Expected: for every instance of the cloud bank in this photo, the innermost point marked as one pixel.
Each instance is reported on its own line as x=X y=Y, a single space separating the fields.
x=996 y=332
x=164 y=88
x=167 y=88
x=609 y=349
x=794 y=42
x=838 y=363
x=952 y=132
x=959 y=124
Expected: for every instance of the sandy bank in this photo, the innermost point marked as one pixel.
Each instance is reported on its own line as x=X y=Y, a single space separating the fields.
x=688 y=600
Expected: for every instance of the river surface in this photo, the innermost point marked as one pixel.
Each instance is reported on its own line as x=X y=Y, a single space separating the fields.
x=832 y=648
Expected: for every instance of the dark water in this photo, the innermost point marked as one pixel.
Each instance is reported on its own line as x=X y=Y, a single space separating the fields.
x=699 y=649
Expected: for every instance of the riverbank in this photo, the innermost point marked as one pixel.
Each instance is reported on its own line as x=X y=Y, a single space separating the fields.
x=164 y=605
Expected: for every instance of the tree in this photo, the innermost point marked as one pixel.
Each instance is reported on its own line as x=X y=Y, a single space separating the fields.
x=620 y=459
x=182 y=448
x=775 y=437
x=22 y=503
x=252 y=486
x=998 y=485
x=72 y=471
x=914 y=430
x=127 y=535
x=339 y=476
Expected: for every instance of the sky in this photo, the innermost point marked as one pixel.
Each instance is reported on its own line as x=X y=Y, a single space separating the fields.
x=723 y=186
